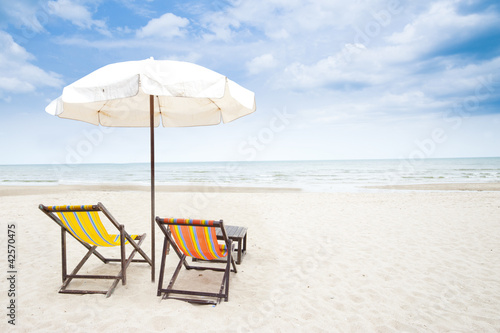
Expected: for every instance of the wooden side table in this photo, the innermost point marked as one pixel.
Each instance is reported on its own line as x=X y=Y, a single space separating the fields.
x=237 y=234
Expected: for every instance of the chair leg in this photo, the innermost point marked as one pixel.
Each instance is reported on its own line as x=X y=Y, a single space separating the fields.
x=162 y=266
x=176 y=273
x=230 y=257
x=112 y=288
x=234 y=265
x=230 y=261
x=63 y=253
x=122 y=255
x=225 y=292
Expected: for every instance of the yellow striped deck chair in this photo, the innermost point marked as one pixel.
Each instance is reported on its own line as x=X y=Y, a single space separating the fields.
x=84 y=224
x=196 y=239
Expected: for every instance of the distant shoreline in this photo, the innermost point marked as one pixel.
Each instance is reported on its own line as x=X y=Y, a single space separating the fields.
x=441 y=187
x=147 y=163
x=47 y=189
x=8 y=190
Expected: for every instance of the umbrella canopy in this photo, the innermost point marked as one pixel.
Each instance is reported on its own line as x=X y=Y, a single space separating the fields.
x=118 y=95
x=141 y=93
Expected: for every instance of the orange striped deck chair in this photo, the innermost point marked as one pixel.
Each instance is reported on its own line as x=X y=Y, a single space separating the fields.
x=196 y=239
x=84 y=224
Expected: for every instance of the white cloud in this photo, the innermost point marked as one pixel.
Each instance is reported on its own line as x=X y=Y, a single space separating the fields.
x=76 y=14
x=27 y=14
x=261 y=63
x=279 y=19
x=220 y=26
x=348 y=66
x=168 y=25
x=278 y=34
x=393 y=57
x=17 y=73
x=440 y=24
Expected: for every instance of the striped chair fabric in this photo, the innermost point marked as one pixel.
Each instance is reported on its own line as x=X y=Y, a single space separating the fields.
x=86 y=225
x=197 y=241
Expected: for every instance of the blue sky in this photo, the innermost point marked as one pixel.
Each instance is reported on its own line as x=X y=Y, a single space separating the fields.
x=333 y=79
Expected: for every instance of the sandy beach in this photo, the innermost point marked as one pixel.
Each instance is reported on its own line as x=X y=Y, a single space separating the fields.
x=387 y=261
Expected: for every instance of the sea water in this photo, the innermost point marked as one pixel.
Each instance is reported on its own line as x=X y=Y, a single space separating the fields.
x=308 y=175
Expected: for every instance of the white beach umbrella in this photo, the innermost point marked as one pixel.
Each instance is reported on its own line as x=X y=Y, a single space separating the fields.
x=140 y=93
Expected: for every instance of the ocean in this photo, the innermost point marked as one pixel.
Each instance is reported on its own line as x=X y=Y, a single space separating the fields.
x=350 y=175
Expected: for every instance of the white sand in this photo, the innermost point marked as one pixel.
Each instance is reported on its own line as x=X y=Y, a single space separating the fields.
x=340 y=262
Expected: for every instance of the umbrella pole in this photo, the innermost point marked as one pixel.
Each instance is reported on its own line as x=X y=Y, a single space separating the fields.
x=152 y=136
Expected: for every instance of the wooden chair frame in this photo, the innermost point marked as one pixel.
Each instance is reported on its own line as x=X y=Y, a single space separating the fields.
x=169 y=240
x=92 y=250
